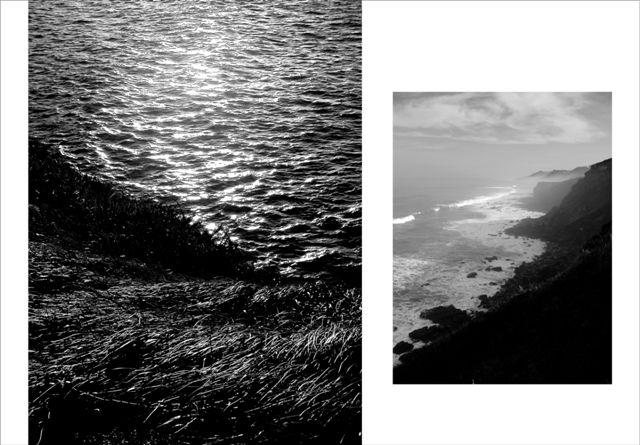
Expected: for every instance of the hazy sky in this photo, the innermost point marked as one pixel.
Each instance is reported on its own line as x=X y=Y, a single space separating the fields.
x=502 y=135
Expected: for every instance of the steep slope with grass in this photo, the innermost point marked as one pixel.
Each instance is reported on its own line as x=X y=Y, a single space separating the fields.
x=551 y=323
x=145 y=328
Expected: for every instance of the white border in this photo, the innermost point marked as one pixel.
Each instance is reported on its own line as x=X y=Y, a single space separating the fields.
x=498 y=46
x=433 y=46
x=13 y=177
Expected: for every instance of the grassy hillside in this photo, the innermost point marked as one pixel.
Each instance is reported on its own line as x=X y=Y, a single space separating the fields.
x=88 y=213
x=145 y=328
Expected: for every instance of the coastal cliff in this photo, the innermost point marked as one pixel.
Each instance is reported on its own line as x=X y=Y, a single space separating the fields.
x=146 y=328
x=581 y=213
x=548 y=194
x=550 y=323
x=577 y=172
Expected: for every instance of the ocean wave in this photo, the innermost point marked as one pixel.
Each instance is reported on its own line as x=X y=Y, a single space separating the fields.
x=405 y=219
x=479 y=199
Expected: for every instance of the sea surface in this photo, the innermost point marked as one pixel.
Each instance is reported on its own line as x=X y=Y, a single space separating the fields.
x=247 y=113
x=444 y=230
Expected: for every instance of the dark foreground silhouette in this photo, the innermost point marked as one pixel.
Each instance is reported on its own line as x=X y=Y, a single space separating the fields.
x=551 y=323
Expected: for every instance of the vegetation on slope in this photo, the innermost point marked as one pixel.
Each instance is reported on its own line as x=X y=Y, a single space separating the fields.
x=90 y=213
x=130 y=345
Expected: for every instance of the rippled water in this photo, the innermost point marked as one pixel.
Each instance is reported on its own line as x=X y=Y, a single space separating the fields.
x=246 y=112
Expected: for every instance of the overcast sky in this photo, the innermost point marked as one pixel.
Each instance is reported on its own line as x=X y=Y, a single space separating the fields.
x=500 y=134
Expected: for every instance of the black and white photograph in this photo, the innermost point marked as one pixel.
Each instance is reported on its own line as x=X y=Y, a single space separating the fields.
x=502 y=237
x=319 y=222
x=194 y=222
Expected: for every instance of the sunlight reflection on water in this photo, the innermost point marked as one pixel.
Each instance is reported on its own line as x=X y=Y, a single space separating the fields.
x=248 y=114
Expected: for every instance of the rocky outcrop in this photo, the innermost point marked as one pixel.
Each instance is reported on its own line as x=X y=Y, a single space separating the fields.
x=402 y=347
x=448 y=319
x=446 y=316
x=428 y=333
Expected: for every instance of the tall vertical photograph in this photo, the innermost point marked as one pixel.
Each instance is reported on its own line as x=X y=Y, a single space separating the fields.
x=502 y=207
x=194 y=222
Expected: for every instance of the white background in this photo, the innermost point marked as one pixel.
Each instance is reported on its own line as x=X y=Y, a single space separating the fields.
x=13 y=183
x=498 y=46
x=431 y=46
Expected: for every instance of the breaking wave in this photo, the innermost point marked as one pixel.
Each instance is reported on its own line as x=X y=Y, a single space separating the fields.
x=480 y=199
x=405 y=219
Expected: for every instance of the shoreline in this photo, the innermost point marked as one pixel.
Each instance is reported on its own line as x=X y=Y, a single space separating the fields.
x=505 y=253
x=551 y=322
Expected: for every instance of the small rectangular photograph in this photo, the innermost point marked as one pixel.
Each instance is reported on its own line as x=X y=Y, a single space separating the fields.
x=502 y=238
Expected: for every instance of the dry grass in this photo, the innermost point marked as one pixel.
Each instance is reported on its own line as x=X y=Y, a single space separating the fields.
x=145 y=329
x=221 y=359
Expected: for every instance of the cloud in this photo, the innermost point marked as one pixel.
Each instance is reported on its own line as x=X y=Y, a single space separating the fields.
x=498 y=118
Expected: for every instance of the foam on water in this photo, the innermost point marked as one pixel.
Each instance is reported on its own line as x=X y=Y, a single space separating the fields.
x=406 y=219
x=437 y=275
x=481 y=199
x=405 y=269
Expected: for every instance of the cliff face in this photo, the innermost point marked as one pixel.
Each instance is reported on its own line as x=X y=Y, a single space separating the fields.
x=551 y=323
x=581 y=214
x=548 y=194
x=577 y=172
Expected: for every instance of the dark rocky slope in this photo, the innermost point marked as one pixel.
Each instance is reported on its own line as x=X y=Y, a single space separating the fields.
x=551 y=323
x=581 y=214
